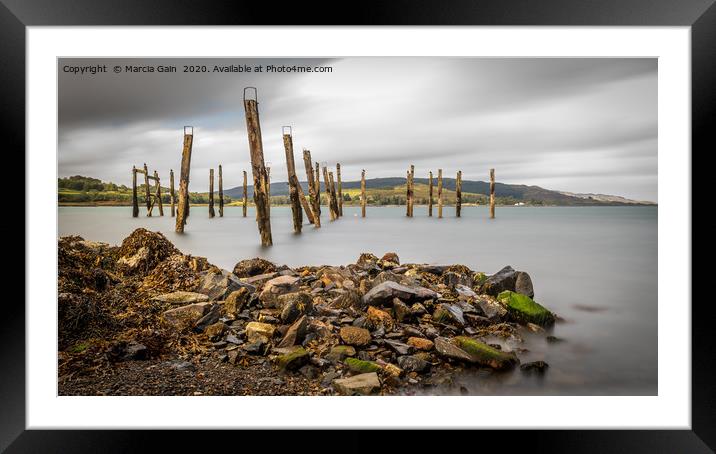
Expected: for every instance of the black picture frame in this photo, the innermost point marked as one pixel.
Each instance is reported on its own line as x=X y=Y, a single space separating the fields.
x=700 y=15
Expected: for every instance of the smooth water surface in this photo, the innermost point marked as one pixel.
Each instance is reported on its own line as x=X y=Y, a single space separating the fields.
x=596 y=267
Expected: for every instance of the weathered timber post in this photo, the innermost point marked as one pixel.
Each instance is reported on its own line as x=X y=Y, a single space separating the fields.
x=292 y=181
x=407 y=193
x=318 y=188
x=440 y=193
x=211 y=193
x=492 y=193
x=314 y=209
x=458 y=193
x=411 y=190
x=135 y=201
x=328 y=193
x=362 y=193
x=430 y=193
x=340 y=190
x=171 y=190
x=245 y=199
x=159 y=193
x=183 y=204
x=221 y=193
x=147 y=194
x=268 y=189
x=333 y=198
x=258 y=168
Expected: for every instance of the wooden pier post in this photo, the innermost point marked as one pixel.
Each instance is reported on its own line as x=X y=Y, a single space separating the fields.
x=268 y=190
x=221 y=193
x=293 y=184
x=411 y=190
x=245 y=199
x=183 y=204
x=147 y=194
x=458 y=193
x=430 y=193
x=211 y=193
x=407 y=193
x=333 y=197
x=159 y=193
x=492 y=193
x=315 y=204
x=258 y=168
x=340 y=190
x=329 y=194
x=318 y=187
x=440 y=193
x=172 y=197
x=135 y=201
x=362 y=193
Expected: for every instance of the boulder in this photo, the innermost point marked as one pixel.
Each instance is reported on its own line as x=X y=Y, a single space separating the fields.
x=499 y=282
x=353 y=335
x=401 y=311
x=535 y=366
x=363 y=384
x=211 y=317
x=236 y=301
x=256 y=330
x=385 y=292
x=484 y=355
x=390 y=276
x=399 y=347
x=350 y=298
x=360 y=366
x=294 y=305
x=293 y=359
x=391 y=370
x=340 y=352
x=185 y=316
x=449 y=350
x=449 y=314
x=218 y=284
x=295 y=333
x=181 y=298
x=215 y=331
x=421 y=343
x=367 y=261
x=259 y=278
x=376 y=318
x=411 y=363
x=465 y=292
x=523 y=284
x=492 y=310
x=524 y=309
x=276 y=287
x=253 y=267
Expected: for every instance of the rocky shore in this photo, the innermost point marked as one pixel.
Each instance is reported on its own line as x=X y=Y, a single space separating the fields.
x=144 y=319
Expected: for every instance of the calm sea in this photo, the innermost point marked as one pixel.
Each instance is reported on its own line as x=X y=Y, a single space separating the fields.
x=594 y=266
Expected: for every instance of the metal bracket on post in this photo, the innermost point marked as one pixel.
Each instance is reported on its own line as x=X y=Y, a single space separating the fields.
x=191 y=130
x=283 y=130
x=256 y=94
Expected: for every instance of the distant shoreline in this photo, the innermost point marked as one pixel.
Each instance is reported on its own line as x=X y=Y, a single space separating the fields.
x=216 y=206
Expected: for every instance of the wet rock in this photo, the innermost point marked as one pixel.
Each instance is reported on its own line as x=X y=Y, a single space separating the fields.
x=421 y=343
x=477 y=320
x=485 y=355
x=411 y=363
x=402 y=311
x=464 y=291
x=447 y=349
x=367 y=261
x=499 y=282
x=181 y=298
x=385 y=292
x=349 y=299
x=352 y=335
x=360 y=366
x=418 y=310
x=211 y=317
x=185 y=316
x=233 y=339
x=258 y=330
x=232 y=356
x=553 y=339
x=535 y=366
x=363 y=384
x=295 y=333
x=236 y=301
x=253 y=267
x=399 y=347
x=215 y=330
x=218 y=284
x=276 y=287
x=523 y=284
x=448 y=314
x=259 y=346
x=292 y=360
x=391 y=276
x=376 y=318
x=493 y=310
x=524 y=309
x=391 y=370
x=391 y=257
x=294 y=305
x=453 y=279
x=340 y=352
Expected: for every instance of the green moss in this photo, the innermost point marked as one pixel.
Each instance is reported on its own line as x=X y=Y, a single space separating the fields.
x=484 y=354
x=479 y=278
x=79 y=348
x=292 y=360
x=360 y=366
x=524 y=309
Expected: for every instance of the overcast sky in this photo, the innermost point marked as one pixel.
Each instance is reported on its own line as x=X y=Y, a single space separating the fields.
x=579 y=125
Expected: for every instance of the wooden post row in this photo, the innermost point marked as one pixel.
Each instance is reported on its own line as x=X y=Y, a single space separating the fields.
x=312 y=190
x=211 y=193
x=158 y=186
x=183 y=205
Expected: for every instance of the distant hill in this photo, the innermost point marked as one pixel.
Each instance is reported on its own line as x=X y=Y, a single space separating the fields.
x=505 y=193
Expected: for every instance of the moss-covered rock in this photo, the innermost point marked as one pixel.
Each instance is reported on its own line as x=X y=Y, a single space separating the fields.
x=524 y=309
x=292 y=360
x=483 y=354
x=360 y=366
